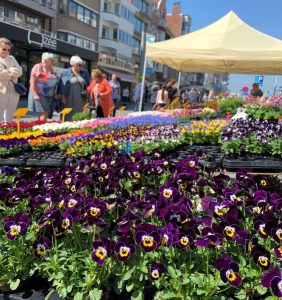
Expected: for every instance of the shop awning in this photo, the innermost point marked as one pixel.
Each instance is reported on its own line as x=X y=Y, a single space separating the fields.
x=124 y=76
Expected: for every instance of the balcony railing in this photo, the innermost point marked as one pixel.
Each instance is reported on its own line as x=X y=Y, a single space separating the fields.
x=27 y=26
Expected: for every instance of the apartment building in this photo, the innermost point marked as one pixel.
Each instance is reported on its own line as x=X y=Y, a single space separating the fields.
x=63 y=27
x=121 y=27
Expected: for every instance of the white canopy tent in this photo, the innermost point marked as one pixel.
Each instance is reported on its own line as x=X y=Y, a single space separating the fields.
x=228 y=45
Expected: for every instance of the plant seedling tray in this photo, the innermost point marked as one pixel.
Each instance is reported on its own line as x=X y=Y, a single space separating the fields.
x=255 y=164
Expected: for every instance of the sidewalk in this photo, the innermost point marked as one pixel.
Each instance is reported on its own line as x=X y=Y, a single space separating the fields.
x=31 y=116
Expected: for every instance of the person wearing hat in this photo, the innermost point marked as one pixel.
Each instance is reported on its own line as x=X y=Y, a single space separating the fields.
x=43 y=81
x=72 y=87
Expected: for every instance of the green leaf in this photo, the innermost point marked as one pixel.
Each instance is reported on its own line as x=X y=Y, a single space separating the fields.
x=127 y=275
x=129 y=287
x=172 y=272
x=78 y=296
x=166 y=295
x=144 y=269
x=14 y=284
x=95 y=294
x=271 y=298
x=261 y=290
x=137 y=295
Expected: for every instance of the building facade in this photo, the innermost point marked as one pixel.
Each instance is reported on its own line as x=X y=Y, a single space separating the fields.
x=121 y=38
x=63 y=27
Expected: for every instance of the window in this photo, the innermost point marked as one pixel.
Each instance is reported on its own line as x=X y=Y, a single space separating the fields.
x=115 y=34
x=80 y=13
x=62 y=36
x=63 y=6
x=87 y=16
x=86 y=44
x=106 y=6
x=71 y=38
x=78 y=41
x=72 y=9
x=117 y=8
x=92 y=46
x=1 y=10
x=93 y=21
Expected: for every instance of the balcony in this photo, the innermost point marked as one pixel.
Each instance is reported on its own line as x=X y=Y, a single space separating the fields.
x=26 y=26
x=44 y=7
x=109 y=43
x=110 y=17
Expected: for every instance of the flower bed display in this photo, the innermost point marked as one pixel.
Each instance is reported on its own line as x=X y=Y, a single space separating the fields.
x=253 y=137
x=115 y=224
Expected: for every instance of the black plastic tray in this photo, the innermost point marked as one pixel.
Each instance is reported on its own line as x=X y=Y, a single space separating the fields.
x=255 y=164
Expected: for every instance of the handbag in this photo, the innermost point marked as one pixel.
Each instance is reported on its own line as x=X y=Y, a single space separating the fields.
x=19 y=87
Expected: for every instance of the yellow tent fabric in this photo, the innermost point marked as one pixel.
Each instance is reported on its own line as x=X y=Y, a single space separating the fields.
x=228 y=45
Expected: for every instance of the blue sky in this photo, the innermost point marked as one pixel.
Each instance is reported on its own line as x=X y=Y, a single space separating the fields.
x=264 y=15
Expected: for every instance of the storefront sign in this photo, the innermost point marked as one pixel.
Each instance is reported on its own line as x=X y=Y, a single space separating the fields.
x=41 y=40
x=115 y=63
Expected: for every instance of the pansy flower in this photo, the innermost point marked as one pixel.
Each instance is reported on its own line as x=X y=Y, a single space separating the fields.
x=260 y=228
x=42 y=246
x=278 y=251
x=148 y=237
x=168 y=193
x=261 y=256
x=100 y=250
x=167 y=235
x=229 y=271
x=156 y=270
x=272 y=278
x=16 y=225
x=124 y=248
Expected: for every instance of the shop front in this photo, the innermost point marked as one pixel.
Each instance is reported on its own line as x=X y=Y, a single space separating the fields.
x=123 y=69
x=29 y=46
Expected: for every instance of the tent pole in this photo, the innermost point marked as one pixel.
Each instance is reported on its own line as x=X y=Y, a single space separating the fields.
x=142 y=85
x=179 y=79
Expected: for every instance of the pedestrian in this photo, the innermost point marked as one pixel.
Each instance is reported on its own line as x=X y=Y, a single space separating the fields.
x=125 y=94
x=43 y=82
x=72 y=87
x=10 y=71
x=137 y=95
x=100 y=93
x=154 y=91
x=162 y=99
x=115 y=91
x=172 y=89
x=193 y=96
x=256 y=92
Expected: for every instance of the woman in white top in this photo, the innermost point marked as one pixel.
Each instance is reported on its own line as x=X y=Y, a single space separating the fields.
x=10 y=71
x=162 y=98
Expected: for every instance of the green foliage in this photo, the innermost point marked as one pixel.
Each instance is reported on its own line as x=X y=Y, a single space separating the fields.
x=276 y=147
x=81 y=116
x=264 y=112
x=254 y=146
x=232 y=148
x=230 y=105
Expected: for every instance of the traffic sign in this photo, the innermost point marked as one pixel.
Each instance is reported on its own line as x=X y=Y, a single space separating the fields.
x=259 y=79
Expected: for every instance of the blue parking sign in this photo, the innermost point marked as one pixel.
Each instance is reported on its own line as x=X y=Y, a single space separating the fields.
x=259 y=79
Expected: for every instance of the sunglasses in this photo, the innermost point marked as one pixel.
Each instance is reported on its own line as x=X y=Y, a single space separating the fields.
x=79 y=65
x=6 y=49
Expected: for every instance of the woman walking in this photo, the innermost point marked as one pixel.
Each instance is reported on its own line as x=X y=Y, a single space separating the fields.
x=72 y=87
x=43 y=81
x=100 y=93
x=10 y=71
